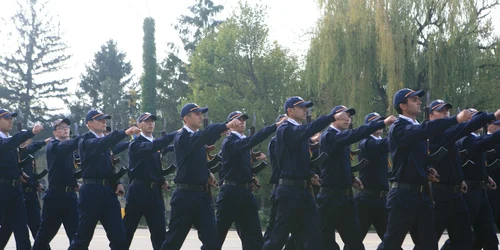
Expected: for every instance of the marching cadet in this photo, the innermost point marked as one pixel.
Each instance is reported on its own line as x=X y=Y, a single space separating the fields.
x=31 y=188
x=144 y=196
x=296 y=208
x=12 y=208
x=451 y=211
x=370 y=202
x=493 y=159
x=98 y=200
x=236 y=202
x=60 y=200
x=408 y=202
x=192 y=200
x=335 y=200
x=474 y=147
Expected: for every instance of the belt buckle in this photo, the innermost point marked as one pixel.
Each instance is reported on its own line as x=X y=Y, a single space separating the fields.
x=421 y=189
x=104 y=182
x=152 y=185
x=383 y=193
x=347 y=192
x=456 y=188
x=68 y=189
x=14 y=183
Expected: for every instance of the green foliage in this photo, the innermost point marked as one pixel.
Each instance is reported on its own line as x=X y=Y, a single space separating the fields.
x=148 y=81
x=107 y=85
x=364 y=51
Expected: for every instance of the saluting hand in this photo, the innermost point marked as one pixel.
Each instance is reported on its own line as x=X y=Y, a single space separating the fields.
x=132 y=130
x=341 y=116
x=464 y=116
x=497 y=114
x=389 y=120
x=233 y=124
x=37 y=128
x=281 y=121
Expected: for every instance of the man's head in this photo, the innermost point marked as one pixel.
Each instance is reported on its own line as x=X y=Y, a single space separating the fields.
x=407 y=102
x=494 y=127
x=439 y=110
x=146 y=122
x=96 y=121
x=374 y=117
x=6 y=120
x=343 y=124
x=192 y=115
x=296 y=108
x=240 y=116
x=61 y=128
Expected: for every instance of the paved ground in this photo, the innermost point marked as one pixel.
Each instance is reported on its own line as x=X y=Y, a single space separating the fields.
x=142 y=241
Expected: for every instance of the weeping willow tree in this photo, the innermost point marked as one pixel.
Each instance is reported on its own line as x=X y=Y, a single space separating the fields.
x=365 y=50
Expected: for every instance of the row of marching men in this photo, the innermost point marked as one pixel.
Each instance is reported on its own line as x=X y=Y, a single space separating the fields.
x=311 y=218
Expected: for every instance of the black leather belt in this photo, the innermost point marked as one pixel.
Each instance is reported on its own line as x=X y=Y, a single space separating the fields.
x=198 y=188
x=412 y=187
x=475 y=184
x=374 y=192
x=10 y=182
x=336 y=192
x=447 y=187
x=102 y=182
x=147 y=183
x=247 y=185
x=68 y=189
x=295 y=183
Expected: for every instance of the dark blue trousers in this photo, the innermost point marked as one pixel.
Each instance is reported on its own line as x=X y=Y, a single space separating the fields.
x=338 y=212
x=142 y=200
x=371 y=211
x=292 y=243
x=99 y=203
x=13 y=215
x=409 y=211
x=238 y=205
x=481 y=218
x=32 y=205
x=59 y=207
x=296 y=211
x=191 y=208
x=494 y=200
x=451 y=213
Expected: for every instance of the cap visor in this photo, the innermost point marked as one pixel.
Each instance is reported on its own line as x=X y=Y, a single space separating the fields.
x=419 y=93
x=102 y=117
x=447 y=105
x=305 y=104
x=201 y=110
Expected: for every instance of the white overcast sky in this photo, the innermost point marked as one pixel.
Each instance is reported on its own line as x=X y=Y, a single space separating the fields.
x=89 y=24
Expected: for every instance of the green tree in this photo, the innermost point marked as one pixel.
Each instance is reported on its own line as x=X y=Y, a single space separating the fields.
x=364 y=51
x=28 y=71
x=148 y=80
x=173 y=78
x=106 y=85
